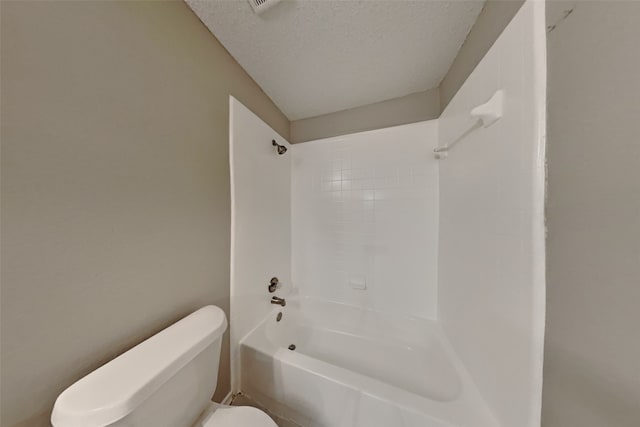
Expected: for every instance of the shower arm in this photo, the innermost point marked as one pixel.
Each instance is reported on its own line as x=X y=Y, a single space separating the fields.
x=280 y=148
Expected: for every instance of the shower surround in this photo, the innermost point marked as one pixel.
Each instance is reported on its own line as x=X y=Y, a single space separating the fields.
x=414 y=286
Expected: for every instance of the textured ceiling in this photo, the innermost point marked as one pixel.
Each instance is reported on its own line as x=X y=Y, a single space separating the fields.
x=317 y=57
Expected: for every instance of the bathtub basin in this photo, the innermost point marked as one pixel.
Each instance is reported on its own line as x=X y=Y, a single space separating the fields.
x=353 y=367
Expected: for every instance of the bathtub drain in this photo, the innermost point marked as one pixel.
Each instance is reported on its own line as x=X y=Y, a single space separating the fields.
x=292 y=347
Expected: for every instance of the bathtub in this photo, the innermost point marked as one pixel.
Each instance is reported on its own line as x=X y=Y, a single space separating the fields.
x=353 y=367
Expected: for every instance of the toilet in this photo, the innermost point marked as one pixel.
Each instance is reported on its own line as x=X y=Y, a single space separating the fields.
x=165 y=381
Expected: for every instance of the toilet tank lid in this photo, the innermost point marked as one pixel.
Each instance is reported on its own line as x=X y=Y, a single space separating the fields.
x=114 y=390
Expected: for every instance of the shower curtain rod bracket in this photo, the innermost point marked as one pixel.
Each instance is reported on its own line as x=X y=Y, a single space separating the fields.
x=485 y=115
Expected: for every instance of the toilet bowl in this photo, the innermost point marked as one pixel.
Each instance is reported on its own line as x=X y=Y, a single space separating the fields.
x=165 y=381
x=236 y=416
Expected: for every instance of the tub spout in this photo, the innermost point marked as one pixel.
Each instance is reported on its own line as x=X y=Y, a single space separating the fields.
x=279 y=301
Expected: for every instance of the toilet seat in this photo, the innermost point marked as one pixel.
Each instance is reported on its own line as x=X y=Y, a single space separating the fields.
x=238 y=416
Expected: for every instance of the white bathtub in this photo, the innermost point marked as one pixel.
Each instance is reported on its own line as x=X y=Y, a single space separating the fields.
x=357 y=368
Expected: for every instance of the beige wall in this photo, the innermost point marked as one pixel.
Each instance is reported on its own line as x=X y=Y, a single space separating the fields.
x=115 y=185
x=398 y=111
x=495 y=16
x=592 y=357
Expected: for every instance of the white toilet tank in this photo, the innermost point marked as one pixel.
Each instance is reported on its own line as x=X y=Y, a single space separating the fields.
x=165 y=381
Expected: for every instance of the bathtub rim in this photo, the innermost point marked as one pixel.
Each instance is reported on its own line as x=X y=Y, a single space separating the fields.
x=469 y=409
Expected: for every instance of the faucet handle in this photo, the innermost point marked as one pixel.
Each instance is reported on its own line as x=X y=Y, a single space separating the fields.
x=278 y=301
x=274 y=284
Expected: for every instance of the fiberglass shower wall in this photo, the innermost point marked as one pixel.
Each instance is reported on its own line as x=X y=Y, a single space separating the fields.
x=491 y=258
x=260 y=223
x=365 y=219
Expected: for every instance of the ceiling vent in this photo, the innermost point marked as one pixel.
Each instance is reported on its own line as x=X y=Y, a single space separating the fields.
x=260 y=6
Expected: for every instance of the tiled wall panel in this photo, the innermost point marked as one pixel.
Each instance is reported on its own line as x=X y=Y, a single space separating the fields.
x=365 y=215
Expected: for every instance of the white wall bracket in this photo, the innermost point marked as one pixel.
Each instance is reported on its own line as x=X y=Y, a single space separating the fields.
x=485 y=115
x=491 y=111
